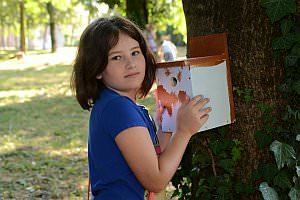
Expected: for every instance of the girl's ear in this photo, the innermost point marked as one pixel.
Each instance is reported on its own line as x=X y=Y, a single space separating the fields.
x=99 y=76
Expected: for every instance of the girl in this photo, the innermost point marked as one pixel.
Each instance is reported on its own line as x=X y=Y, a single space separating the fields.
x=113 y=68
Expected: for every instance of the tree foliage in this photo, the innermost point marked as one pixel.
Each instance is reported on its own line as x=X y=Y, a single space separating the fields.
x=75 y=14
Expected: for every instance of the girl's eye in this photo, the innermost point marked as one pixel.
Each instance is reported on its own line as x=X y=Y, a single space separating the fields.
x=135 y=53
x=116 y=58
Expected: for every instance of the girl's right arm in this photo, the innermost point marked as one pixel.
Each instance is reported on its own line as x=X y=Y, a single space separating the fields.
x=136 y=146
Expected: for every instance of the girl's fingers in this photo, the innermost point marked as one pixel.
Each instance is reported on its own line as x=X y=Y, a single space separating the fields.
x=205 y=111
x=186 y=100
x=204 y=118
x=196 y=99
x=201 y=103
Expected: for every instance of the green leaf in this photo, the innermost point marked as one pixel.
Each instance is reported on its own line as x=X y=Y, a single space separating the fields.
x=291 y=60
x=236 y=153
x=268 y=193
x=212 y=181
x=262 y=139
x=286 y=26
x=268 y=171
x=284 y=154
x=223 y=191
x=218 y=146
x=277 y=9
x=282 y=180
x=294 y=194
x=284 y=42
x=296 y=87
x=242 y=188
x=264 y=108
x=298 y=137
x=227 y=165
x=248 y=95
x=296 y=50
x=298 y=169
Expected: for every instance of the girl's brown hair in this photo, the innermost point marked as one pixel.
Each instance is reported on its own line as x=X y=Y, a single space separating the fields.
x=95 y=43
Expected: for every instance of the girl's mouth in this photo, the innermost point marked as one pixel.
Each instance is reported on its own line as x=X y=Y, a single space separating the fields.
x=132 y=75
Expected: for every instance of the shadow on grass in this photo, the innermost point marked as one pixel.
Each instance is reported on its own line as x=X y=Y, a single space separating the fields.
x=27 y=173
x=35 y=77
x=9 y=54
x=43 y=149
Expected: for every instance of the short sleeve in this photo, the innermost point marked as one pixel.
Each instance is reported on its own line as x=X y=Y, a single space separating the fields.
x=119 y=114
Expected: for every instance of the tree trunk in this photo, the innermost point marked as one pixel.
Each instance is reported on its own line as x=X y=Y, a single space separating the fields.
x=2 y=28
x=252 y=67
x=50 y=9
x=45 y=33
x=2 y=39
x=72 y=35
x=22 y=27
x=136 y=10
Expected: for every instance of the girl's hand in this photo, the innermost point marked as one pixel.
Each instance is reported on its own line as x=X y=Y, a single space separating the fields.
x=191 y=115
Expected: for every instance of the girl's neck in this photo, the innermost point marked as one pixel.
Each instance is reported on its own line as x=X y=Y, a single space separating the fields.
x=130 y=95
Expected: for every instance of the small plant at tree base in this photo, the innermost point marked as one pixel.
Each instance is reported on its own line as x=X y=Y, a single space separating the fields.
x=208 y=172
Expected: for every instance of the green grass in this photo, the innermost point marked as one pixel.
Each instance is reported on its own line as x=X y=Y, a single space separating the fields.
x=43 y=131
x=7 y=54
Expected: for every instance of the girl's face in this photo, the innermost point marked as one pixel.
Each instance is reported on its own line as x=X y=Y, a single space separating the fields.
x=125 y=70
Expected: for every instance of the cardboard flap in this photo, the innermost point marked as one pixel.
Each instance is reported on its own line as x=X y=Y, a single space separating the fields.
x=209 y=45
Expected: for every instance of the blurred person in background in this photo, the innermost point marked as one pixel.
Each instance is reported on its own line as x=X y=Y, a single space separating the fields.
x=151 y=37
x=168 y=50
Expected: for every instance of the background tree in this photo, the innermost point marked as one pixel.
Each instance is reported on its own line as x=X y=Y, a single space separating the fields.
x=255 y=77
x=22 y=26
x=69 y=15
x=51 y=12
x=158 y=12
x=136 y=10
x=90 y=5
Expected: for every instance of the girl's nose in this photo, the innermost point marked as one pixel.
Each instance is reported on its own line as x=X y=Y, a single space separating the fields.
x=130 y=63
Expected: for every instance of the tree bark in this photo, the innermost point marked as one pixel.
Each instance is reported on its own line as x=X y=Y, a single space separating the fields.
x=22 y=27
x=252 y=67
x=2 y=28
x=2 y=39
x=136 y=10
x=50 y=9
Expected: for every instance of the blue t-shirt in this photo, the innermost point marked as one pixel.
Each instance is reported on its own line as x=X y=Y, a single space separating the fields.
x=111 y=177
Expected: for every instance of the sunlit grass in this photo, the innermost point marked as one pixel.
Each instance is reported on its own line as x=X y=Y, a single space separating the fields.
x=43 y=131
x=43 y=151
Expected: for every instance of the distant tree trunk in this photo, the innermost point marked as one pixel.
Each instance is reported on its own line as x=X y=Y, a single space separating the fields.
x=50 y=9
x=22 y=27
x=2 y=33
x=30 y=44
x=90 y=9
x=45 y=33
x=72 y=35
x=252 y=67
x=2 y=28
x=136 y=10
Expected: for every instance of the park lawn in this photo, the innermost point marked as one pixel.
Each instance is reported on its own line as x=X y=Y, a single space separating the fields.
x=43 y=131
x=10 y=54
